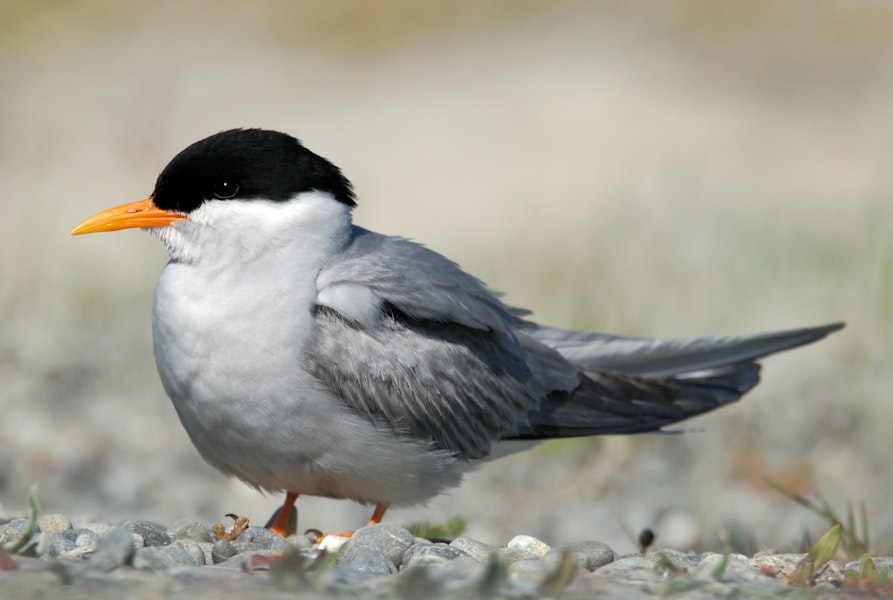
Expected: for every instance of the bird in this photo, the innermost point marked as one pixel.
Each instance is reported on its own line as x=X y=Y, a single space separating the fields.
x=307 y=355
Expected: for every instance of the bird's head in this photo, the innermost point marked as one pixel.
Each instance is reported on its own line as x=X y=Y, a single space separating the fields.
x=227 y=180
x=239 y=164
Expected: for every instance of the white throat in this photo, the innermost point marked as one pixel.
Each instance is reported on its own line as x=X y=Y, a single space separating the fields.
x=225 y=233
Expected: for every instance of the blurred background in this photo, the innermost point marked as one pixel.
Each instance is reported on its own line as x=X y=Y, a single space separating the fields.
x=657 y=169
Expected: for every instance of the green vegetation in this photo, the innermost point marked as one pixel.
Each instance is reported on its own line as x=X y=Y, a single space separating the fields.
x=444 y=531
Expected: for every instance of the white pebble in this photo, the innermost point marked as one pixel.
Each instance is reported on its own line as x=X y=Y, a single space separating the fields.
x=332 y=543
x=529 y=544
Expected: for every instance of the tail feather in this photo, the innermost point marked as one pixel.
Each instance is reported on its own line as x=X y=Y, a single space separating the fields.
x=672 y=357
x=630 y=385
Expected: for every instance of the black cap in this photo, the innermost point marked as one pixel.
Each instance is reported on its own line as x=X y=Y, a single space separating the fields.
x=247 y=164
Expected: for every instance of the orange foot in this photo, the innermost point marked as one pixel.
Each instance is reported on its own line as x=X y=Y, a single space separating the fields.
x=281 y=524
x=377 y=516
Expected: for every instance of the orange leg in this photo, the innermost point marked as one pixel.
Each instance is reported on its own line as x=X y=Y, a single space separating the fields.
x=378 y=515
x=280 y=525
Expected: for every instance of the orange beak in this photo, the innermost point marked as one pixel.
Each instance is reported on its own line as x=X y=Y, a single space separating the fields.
x=128 y=216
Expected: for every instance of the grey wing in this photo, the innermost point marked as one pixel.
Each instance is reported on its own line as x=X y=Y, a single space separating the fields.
x=404 y=336
x=614 y=403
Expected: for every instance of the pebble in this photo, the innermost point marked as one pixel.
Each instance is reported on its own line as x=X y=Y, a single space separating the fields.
x=880 y=563
x=97 y=529
x=53 y=523
x=455 y=573
x=115 y=549
x=191 y=530
x=419 y=555
x=153 y=534
x=532 y=570
x=632 y=568
x=477 y=550
x=222 y=550
x=391 y=541
x=259 y=538
x=299 y=542
x=529 y=544
x=332 y=543
x=193 y=549
x=60 y=546
x=588 y=555
x=513 y=555
x=12 y=531
x=719 y=567
x=367 y=562
x=379 y=561
x=163 y=557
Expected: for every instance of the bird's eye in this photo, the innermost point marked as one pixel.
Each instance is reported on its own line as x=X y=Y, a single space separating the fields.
x=224 y=190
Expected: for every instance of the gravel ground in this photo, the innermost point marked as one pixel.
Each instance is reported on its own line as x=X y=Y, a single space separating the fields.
x=84 y=559
x=682 y=168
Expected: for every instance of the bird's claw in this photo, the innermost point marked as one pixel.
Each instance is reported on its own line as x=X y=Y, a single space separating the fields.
x=240 y=524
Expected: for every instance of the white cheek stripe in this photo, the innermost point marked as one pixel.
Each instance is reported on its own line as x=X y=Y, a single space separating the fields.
x=228 y=231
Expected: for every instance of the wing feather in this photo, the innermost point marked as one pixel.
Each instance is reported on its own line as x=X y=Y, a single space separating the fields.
x=404 y=336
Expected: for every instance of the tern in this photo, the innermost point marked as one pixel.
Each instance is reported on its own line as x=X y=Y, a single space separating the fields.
x=307 y=355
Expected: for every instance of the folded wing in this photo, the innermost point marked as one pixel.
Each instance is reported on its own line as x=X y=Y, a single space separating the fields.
x=407 y=338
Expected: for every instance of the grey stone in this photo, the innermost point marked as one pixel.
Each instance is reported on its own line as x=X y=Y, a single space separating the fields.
x=737 y=568
x=191 y=530
x=256 y=535
x=162 y=557
x=206 y=548
x=392 y=541
x=477 y=550
x=53 y=523
x=70 y=534
x=19 y=523
x=252 y=561
x=98 y=529
x=85 y=538
x=588 y=555
x=59 y=546
x=222 y=550
x=113 y=550
x=512 y=555
x=260 y=538
x=457 y=572
x=430 y=554
x=531 y=570
x=368 y=561
x=631 y=569
x=11 y=532
x=880 y=563
x=776 y=565
x=193 y=549
x=529 y=544
x=299 y=542
x=78 y=554
x=153 y=534
x=666 y=560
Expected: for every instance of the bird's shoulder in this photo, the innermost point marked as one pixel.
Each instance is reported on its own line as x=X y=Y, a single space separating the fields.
x=404 y=336
x=375 y=273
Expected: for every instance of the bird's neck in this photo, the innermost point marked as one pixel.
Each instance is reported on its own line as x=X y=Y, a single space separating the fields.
x=223 y=236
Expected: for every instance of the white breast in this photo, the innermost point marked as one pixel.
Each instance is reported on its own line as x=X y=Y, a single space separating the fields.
x=230 y=331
